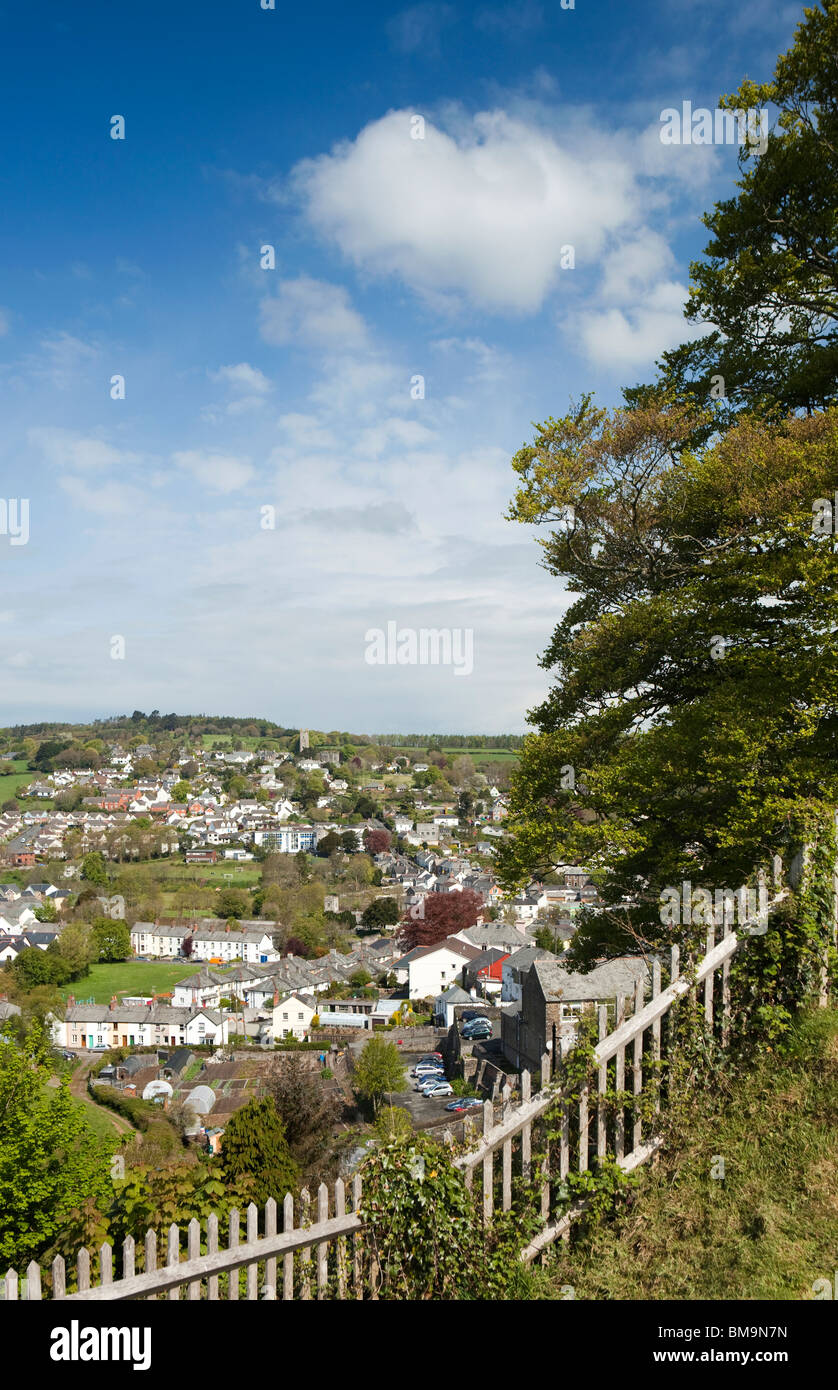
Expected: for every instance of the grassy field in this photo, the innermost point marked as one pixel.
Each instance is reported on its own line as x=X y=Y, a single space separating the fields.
x=129 y=977
x=19 y=778
x=766 y=1230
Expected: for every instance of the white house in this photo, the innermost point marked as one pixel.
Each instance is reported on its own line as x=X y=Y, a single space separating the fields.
x=126 y=1025
x=293 y=1015
x=429 y=970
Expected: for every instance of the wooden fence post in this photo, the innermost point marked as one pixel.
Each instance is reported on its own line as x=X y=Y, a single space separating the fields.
x=620 y=1084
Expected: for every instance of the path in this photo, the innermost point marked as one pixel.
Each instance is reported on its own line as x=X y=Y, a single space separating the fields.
x=78 y=1088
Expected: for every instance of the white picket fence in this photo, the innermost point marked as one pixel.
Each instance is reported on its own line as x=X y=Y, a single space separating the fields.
x=320 y=1251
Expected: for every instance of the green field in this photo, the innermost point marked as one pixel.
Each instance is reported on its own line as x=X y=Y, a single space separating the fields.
x=129 y=977
x=19 y=778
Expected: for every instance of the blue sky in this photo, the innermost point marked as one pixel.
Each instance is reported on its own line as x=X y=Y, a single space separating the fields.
x=290 y=388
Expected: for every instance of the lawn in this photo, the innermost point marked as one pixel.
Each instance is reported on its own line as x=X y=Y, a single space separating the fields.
x=129 y=977
x=19 y=778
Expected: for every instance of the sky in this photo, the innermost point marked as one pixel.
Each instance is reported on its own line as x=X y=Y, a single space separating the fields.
x=314 y=441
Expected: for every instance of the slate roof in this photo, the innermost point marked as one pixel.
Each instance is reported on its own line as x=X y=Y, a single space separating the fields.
x=604 y=982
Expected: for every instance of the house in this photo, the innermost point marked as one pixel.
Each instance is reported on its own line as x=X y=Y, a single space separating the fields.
x=287 y=839
x=485 y=972
x=14 y=917
x=205 y=987
x=515 y=968
x=219 y=942
x=553 y=1000
x=487 y=934
x=127 y=1025
x=292 y=1015
x=428 y=970
x=444 y=1005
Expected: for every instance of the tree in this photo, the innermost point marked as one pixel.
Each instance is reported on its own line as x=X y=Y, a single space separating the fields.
x=307 y=1110
x=46 y=911
x=443 y=914
x=381 y=912
x=377 y=841
x=255 y=1143
x=329 y=844
x=692 y=727
x=76 y=946
x=349 y=842
x=93 y=868
x=50 y=1161
x=768 y=284
x=111 y=938
x=378 y=1071
x=34 y=967
x=180 y=791
x=232 y=902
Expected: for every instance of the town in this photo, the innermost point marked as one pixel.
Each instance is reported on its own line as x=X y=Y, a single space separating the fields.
x=396 y=921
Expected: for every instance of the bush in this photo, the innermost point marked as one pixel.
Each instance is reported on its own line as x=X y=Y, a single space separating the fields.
x=139 y=1113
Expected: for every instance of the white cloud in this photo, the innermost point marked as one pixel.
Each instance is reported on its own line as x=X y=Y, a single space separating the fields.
x=220 y=472
x=305 y=432
x=66 y=450
x=633 y=337
x=396 y=432
x=313 y=313
x=103 y=499
x=64 y=356
x=482 y=212
x=244 y=379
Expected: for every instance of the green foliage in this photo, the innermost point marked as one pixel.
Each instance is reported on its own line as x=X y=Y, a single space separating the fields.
x=93 y=868
x=378 y=1070
x=425 y=1228
x=392 y=1122
x=254 y=1144
x=140 y=1113
x=768 y=281
x=762 y=1223
x=688 y=764
x=112 y=939
x=50 y=1162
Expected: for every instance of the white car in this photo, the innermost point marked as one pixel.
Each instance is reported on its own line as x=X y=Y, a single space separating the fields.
x=425 y=1081
x=441 y=1088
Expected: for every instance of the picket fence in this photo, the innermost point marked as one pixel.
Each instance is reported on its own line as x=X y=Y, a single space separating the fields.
x=321 y=1251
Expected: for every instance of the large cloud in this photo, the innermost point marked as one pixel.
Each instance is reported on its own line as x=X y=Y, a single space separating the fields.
x=483 y=212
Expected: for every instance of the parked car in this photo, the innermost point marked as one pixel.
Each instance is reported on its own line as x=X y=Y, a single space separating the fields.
x=425 y=1081
x=100 y=1047
x=468 y=1014
x=430 y=1057
x=425 y=1068
x=477 y=1030
x=442 y=1088
x=68 y=1055
x=465 y=1103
